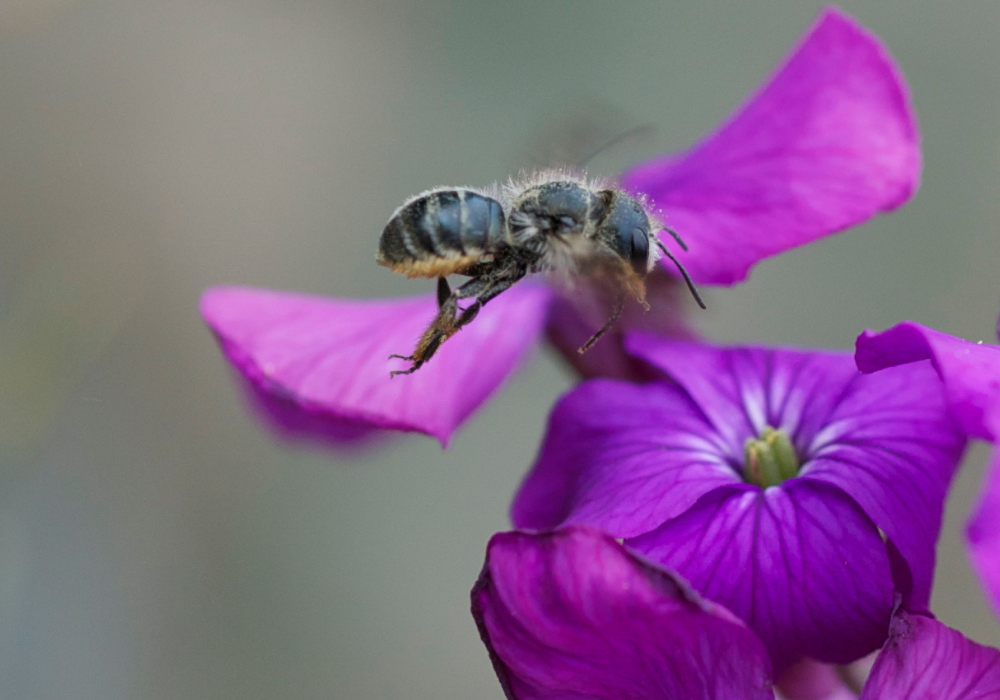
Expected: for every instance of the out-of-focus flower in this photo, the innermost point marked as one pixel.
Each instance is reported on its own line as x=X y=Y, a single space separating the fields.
x=924 y=660
x=812 y=680
x=574 y=614
x=827 y=143
x=782 y=484
x=319 y=357
x=970 y=373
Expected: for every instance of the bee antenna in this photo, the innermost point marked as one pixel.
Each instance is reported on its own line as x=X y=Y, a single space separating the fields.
x=687 y=278
x=677 y=237
x=614 y=141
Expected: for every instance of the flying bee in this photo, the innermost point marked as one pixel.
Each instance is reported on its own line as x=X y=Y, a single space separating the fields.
x=552 y=222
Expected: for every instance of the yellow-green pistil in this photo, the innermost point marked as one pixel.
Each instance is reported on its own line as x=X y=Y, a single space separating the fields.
x=769 y=459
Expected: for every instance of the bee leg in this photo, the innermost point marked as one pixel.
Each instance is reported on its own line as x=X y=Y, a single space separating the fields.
x=441 y=328
x=442 y=323
x=473 y=288
x=427 y=346
x=615 y=313
x=439 y=331
x=483 y=293
x=443 y=291
x=445 y=324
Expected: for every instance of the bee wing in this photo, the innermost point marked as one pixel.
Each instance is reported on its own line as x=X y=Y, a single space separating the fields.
x=581 y=134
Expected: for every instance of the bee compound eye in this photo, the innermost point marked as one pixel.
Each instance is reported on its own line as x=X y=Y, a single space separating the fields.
x=639 y=256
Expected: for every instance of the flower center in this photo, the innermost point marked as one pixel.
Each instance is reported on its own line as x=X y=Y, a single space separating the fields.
x=769 y=459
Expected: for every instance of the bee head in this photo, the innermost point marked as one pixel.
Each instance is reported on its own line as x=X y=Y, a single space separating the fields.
x=560 y=207
x=626 y=230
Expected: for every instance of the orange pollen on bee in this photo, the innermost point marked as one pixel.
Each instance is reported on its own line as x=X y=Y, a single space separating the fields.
x=434 y=267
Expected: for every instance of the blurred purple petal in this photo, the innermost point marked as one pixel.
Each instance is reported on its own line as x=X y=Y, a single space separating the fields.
x=327 y=358
x=891 y=445
x=285 y=420
x=571 y=615
x=812 y=680
x=970 y=371
x=828 y=143
x=983 y=533
x=800 y=563
x=623 y=457
x=924 y=660
x=573 y=319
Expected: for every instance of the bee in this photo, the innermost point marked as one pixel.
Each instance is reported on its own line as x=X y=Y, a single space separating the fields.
x=553 y=222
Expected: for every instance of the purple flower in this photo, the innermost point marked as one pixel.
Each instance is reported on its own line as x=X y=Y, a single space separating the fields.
x=970 y=373
x=828 y=142
x=572 y=614
x=782 y=484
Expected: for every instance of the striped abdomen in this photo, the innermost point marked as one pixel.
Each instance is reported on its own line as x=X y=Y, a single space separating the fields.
x=441 y=232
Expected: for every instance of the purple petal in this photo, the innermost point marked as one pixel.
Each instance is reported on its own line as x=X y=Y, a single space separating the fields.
x=983 y=533
x=571 y=615
x=743 y=390
x=283 y=418
x=800 y=563
x=327 y=358
x=828 y=143
x=812 y=680
x=622 y=457
x=970 y=371
x=924 y=660
x=891 y=445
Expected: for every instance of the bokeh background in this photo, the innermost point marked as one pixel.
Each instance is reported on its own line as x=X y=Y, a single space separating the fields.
x=155 y=542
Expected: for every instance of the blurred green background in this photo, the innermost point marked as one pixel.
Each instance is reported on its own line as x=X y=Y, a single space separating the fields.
x=155 y=542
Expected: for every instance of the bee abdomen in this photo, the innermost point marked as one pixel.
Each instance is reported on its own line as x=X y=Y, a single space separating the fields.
x=441 y=232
